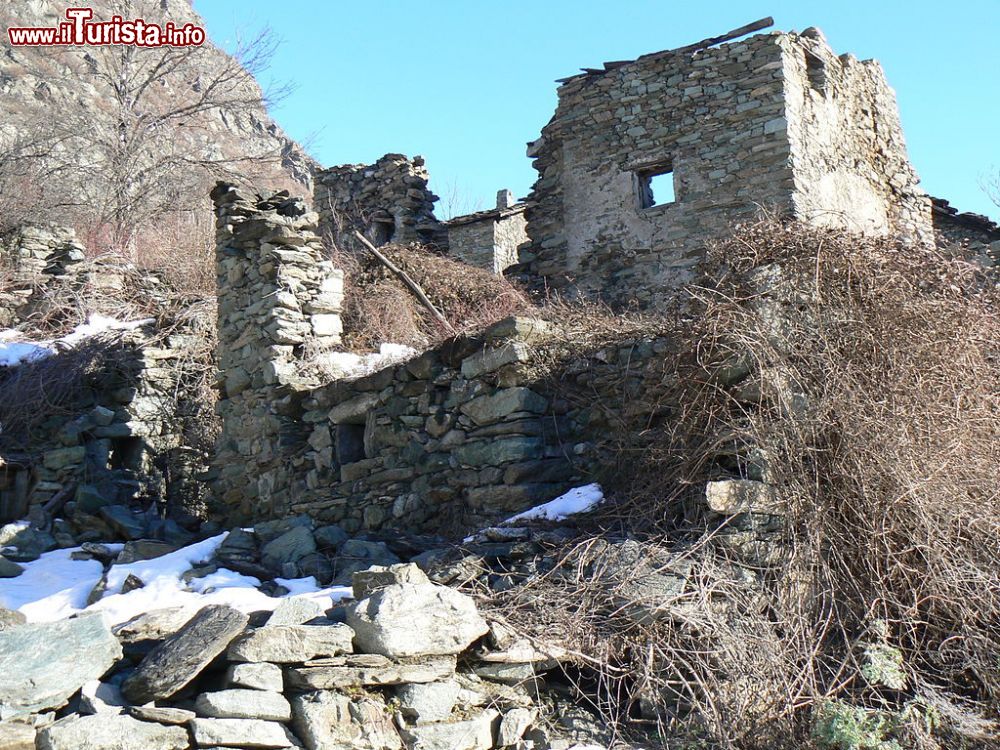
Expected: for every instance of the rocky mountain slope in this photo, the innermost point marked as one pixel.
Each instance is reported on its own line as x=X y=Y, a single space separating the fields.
x=155 y=126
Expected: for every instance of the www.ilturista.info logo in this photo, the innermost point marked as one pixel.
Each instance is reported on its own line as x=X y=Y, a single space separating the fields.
x=80 y=30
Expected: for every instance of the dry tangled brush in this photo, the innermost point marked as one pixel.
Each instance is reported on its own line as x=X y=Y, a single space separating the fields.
x=860 y=378
x=379 y=308
x=39 y=392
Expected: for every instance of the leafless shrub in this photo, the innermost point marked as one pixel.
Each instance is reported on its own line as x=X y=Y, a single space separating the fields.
x=379 y=308
x=871 y=395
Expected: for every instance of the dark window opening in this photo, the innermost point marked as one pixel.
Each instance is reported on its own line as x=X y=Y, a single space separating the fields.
x=816 y=73
x=126 y=453
x=656 y=187
x=383 y=229
x=350 y=443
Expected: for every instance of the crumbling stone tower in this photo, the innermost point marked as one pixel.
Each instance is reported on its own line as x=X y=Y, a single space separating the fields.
x=646 y=160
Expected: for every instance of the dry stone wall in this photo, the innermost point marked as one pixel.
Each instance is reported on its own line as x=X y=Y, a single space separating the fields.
x=385 y=201
x=109 y=421
x=774 y=121
x=473 y=430
x=849 y=158
x=277 y=299
x=490 y=239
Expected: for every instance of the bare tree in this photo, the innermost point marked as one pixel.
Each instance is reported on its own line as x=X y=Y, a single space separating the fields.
x=148 y=141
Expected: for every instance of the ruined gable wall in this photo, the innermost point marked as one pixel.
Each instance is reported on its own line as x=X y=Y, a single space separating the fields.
x=716 y=116
x=385 y=201
x=848 y=153
x=510 y=233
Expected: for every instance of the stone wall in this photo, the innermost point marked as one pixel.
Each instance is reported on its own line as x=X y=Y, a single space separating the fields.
x=278 y=302
x=490 y=239
x=111 y=423
x=733 y=128
x=475 y=429
x=385 y=201
x=849 y=159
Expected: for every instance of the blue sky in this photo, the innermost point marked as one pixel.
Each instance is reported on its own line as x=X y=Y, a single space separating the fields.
x=467 y=83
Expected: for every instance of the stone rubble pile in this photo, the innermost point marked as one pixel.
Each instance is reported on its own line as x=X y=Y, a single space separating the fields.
x=408 y=664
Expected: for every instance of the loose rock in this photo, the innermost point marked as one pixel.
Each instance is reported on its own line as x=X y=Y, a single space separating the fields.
x=244 y=704
x=182 y=656
x=44 y=664
x=109 y=732
x=287 y=644
x=415 y=620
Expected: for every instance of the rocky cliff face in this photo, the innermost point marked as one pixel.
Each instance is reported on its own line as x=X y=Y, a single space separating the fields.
x=155 y=122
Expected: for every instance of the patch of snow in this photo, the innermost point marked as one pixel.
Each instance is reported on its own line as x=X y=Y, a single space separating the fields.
x=55 y=586
x=577 y=500
x=349 y=365
x=13 y=352
x=52 y=587
x=170 y=566
x=309 y=589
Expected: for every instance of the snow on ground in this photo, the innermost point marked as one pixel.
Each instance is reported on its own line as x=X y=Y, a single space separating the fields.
x=351 y=365
x=14 y=352
x=577 y=500
x=55 y=586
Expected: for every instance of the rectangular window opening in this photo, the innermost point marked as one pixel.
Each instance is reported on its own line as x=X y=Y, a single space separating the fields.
x=656 y=187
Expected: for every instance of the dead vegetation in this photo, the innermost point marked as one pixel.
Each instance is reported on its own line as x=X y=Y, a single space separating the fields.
x=38 y=393
x=859 y=377
x=378 y=307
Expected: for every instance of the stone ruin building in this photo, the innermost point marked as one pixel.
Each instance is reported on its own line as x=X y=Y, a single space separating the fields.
x=468 y=431
x=643 y=162
x=490 y=239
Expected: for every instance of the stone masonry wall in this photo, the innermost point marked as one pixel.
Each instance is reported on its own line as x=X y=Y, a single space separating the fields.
x=115 y=430
x=490 y=239
x=473 y=430
x=277 y=299
x=774 y=121
x=716 y=119
x=385 y=201
x=849 y=158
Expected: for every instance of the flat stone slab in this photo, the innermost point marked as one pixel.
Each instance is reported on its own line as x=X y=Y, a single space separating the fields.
x=368 y=670
x=180 y=658
x=244 y=704
x=292 y=644
x=295 y=611
x=471 y=734
x=256 y=676
x=248 y=733
x=111 y=732
x=163 y=715
x=43 y=664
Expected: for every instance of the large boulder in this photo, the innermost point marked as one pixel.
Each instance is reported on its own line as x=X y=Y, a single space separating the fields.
x=111 y=732
x=415 y=619
x=43 y=664
x=180 y=658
